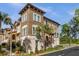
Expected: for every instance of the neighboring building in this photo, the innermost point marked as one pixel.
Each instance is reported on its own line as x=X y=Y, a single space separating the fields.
x=31 y=17
x=17 y=28
x=1 y=36
x=7 y=34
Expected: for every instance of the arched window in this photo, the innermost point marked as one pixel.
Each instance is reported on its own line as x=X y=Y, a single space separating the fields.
x=13 y=37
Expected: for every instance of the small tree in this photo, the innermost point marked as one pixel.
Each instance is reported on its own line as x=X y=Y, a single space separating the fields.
x=44 y=29
x=66 y=32
x=38 y=36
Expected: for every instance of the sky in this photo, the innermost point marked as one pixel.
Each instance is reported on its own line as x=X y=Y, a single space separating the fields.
x=59 y=12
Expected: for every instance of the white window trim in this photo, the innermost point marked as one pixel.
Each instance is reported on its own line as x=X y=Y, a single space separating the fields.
x=24 y=27
x=32 y=28
x=35 y=18
x=39 y=18
x=24 y=17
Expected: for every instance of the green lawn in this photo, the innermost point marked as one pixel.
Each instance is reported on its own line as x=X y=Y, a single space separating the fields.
x=43 y=51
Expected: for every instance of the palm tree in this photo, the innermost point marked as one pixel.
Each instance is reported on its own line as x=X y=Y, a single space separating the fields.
x=3 y=18
x=8 y=21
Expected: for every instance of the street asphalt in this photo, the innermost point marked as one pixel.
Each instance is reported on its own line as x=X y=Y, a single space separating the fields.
x=74 y=51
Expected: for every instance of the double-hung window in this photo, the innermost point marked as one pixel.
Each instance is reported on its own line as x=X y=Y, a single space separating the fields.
x=36 y=17
x=24 y=17
x=56 y=35
x=34 y=30
x=24 y=31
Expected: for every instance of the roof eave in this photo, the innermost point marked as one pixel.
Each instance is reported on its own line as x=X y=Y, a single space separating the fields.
x=32 y=6
x=52 y=21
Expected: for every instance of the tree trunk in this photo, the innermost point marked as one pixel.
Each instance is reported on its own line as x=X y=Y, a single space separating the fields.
x=51 y=41
x=45 y=45
x=10 y=45
x=36 y=48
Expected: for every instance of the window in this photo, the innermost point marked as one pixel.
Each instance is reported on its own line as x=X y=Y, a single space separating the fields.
x=24 y=17
x=1 y=38
x=36 y=17
x=56 y=35
x=34 y=30
x=46 y=21
x=13 y=37
x=24 y=31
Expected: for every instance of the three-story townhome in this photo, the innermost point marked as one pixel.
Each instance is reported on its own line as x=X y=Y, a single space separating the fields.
x=31 y=17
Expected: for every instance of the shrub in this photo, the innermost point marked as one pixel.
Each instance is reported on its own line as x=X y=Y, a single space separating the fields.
x=18 y=44
x=31 y=53
x=19 y=47
x=0 y=47
x=4 y=45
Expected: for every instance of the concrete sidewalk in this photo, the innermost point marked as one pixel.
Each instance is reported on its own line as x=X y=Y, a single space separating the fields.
x=66 y=46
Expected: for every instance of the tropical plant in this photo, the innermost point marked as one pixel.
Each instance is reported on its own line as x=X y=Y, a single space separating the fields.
x=38 y=36
x=4 y=18
x=43 y=29
x=19 y=47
